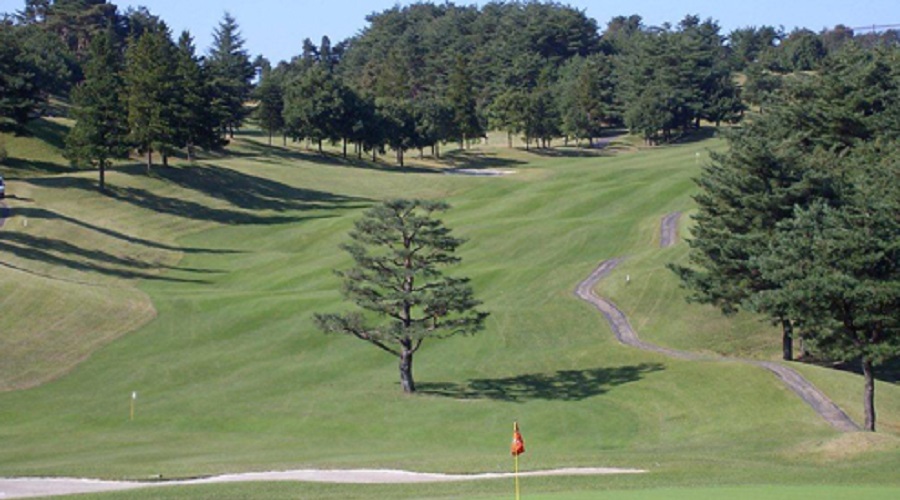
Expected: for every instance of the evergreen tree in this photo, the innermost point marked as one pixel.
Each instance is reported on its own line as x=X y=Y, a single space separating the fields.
x=230 y=72
x=837 y=265
x=269 y=113
x=399 y=248
x=99 y=109
x=461 y=97
x=19 y=91
x=586 y=93
x=314 y=106
x=398 y=123
x=152 y=93
x=194 y=125
x=508 y=111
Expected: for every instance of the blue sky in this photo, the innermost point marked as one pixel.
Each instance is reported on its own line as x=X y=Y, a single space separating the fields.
x=276 y=28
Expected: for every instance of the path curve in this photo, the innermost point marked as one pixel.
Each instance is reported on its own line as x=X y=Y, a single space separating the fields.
x=623 y=331
x=668 y=229
x=33 y=487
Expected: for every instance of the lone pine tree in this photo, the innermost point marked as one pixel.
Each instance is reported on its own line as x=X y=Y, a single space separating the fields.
x=399 y=247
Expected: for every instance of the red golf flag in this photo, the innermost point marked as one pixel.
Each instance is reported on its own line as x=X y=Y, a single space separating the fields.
x=518 y=444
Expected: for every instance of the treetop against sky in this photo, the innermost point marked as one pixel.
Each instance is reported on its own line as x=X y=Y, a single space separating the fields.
x=276 y=29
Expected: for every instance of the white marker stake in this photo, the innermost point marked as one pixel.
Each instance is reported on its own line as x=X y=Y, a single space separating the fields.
x=133 y=398
x=627 y=279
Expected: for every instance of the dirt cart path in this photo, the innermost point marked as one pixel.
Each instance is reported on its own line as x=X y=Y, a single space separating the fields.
x=623 y=331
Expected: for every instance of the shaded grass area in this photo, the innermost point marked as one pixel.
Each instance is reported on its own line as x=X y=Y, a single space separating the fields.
x=232 y=375
x=564 y=385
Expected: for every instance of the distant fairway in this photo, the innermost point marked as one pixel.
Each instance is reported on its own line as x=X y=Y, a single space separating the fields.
x=222 y=265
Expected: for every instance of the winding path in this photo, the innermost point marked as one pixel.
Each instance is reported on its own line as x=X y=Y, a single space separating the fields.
x=626 y=335
x=33 y=487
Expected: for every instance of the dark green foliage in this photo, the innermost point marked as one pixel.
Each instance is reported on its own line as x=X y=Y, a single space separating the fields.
x=230 y=73
x=761 y=86
x=397 y=119
x=269 y=113
x=314 y=106
x=670 y=80
x=55 y=68
x=152 y=93
x=399 y=248
x=463 y=55
x=194 y=122
x=798 y=220
x=74 y=22
x=542 y=120
x=461 y=98
x=748 y=45
x=587 y=96
x=101 y=119
x=837 y=264
x=19 y=91
x=508 y=112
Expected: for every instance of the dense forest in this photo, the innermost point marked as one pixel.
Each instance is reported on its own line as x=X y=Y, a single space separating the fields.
x=416 y=77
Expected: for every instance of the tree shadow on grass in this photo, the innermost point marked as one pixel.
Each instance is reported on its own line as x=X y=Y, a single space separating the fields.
x=41 y=213
x=569 y=152
x=167 y=205
x=48 y=131
x=64 y=254
x=564 y=385
x=696 y=135
x=20 y=169
x=476 y=160
x=243 y=190
x=257 y=150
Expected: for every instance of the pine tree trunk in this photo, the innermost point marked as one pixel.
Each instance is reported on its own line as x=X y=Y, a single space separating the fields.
x=868 y=397
x=149 y=160
x=345 y=147
x=437 y=151
x=787 y=340
x=165 y=157
x=320 y=146
x=270 y=138
x=406 y=373
x=102 y=175
x=509 y=139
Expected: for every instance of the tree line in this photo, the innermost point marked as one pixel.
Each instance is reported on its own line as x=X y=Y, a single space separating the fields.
x=800 y=219
x=130 y=85
x=415 y=78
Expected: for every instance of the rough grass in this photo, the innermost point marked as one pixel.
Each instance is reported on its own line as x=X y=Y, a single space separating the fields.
x=232 y=376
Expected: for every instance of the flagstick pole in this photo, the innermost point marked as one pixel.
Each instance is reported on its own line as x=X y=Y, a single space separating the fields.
x=517 y=476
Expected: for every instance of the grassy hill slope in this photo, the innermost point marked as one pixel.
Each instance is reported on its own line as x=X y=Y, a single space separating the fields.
x=235 y=254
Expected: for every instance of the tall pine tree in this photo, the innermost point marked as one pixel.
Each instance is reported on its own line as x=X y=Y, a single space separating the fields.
x=152 y=93
x=99 y=109
x=231 y=72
